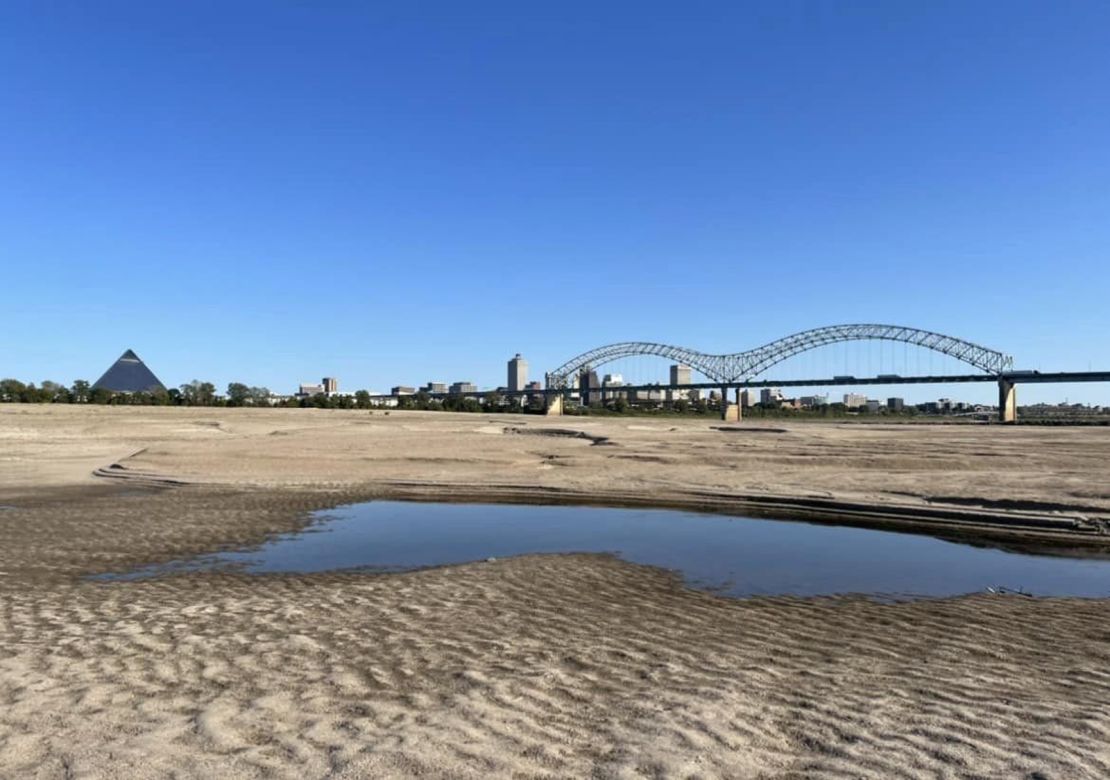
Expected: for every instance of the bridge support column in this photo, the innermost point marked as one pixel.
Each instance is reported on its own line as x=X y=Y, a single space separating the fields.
x=554 y=407
x=1007 y=401
x=729 y=412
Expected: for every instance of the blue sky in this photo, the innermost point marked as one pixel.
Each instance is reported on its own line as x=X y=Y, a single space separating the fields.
x=391 y=193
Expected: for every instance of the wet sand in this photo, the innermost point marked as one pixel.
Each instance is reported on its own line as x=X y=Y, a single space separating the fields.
x=540 y=666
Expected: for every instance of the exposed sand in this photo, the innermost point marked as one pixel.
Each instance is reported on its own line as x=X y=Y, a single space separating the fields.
x=545 y=666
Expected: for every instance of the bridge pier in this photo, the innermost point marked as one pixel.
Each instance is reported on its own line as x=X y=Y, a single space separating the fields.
x=1007 y=401
x=554 y=405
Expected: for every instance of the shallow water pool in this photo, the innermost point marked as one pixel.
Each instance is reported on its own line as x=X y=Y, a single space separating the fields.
x=735 y=556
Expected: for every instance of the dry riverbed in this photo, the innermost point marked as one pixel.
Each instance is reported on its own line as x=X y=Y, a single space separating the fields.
x=540 y=666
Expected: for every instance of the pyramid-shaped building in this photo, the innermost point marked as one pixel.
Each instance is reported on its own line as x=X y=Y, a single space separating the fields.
x=129 y=374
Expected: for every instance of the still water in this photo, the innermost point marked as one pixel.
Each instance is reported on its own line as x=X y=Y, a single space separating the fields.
x=734 y=556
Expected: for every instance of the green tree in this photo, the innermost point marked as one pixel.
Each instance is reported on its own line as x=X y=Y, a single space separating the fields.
x=207 y=394
x=237 y=394
x=30 y=394
x=197 y=393
x=494 y=401
x=80 y=391
x=362 y=399
x=53 y=393
x=11 y=390
x=189 y=393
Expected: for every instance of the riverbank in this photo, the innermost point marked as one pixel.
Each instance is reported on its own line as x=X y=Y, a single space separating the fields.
x=534 y=666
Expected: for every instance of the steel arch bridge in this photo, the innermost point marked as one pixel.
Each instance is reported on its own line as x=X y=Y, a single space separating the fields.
x=742 y=366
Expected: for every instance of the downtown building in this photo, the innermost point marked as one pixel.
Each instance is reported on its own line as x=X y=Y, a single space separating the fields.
x=771 y=396
x=854 y=400
x=609 y=382
x=680 y=375
x=518 y=374
x=329 y=386
x=589 y=387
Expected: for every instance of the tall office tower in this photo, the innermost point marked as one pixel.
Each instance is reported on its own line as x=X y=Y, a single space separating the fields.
x=331 y=385
x=590 y=387
x=680 y=375
x=518 y=373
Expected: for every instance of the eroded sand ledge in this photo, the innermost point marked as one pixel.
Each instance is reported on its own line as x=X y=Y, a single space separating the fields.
x=540 y=666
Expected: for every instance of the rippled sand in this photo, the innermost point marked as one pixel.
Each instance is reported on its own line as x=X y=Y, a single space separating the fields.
x=544 y=666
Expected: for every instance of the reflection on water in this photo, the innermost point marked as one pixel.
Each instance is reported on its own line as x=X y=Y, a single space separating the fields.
x=731 y=555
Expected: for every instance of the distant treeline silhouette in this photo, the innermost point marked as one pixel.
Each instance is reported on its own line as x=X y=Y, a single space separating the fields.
x=198 y=393
x=195 y=393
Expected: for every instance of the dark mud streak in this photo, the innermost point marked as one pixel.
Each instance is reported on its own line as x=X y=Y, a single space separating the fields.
x=565 y=433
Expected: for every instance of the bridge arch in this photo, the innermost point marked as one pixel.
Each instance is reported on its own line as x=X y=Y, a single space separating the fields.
x=740 y=366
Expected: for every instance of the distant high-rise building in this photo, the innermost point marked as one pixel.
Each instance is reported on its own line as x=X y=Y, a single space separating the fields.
x=518 y=373
x=463 y=388
x=310 y=389
x=854 y=400
x=680 y=375
x=403 y=390
x=331 y=384
x=772 y=396
x=590 y=387
x=747 y=398
x=435 y=387
x=609 y=382
x=895 y=404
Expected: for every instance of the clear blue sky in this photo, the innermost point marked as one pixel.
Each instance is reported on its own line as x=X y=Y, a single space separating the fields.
x=391 y=193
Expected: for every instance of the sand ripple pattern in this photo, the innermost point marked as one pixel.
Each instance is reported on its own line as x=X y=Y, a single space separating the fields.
x=544 y=666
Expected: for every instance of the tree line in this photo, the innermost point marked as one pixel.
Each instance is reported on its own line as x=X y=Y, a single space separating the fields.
x=195 y=393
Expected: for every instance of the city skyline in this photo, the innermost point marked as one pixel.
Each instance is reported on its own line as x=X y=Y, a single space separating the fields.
x=667 y=372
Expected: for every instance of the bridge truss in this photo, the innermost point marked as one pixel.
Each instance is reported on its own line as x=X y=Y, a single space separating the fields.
x=742 y=366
